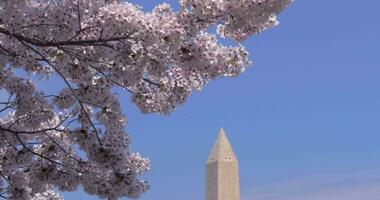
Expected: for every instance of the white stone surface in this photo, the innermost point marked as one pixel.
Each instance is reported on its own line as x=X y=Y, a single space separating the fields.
x=222 y=171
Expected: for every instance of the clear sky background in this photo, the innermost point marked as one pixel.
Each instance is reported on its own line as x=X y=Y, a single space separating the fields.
x=304 y=120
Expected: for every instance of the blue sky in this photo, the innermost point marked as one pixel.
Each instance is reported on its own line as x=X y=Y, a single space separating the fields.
x=304 y=120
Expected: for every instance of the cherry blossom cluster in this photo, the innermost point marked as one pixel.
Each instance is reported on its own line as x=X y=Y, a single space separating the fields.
x=76 y=137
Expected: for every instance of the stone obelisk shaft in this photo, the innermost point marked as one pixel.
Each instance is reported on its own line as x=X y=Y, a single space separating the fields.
x=222 y=173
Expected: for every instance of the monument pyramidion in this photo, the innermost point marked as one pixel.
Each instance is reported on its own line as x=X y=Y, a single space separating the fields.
x=222 y=171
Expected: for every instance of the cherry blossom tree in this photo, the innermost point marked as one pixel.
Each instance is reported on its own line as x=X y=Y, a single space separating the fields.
x=76 y=137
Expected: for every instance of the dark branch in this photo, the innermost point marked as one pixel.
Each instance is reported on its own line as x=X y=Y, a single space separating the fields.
x=86 y=42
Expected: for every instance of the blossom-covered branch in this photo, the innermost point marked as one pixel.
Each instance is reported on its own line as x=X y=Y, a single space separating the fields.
x=77 y=136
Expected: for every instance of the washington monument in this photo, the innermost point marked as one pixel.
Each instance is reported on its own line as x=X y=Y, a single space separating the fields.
x=222 y=173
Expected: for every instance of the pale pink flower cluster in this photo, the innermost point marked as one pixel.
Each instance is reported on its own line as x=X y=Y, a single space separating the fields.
x=51 y=142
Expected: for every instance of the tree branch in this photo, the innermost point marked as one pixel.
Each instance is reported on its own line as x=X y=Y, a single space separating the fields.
x=86 y=42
